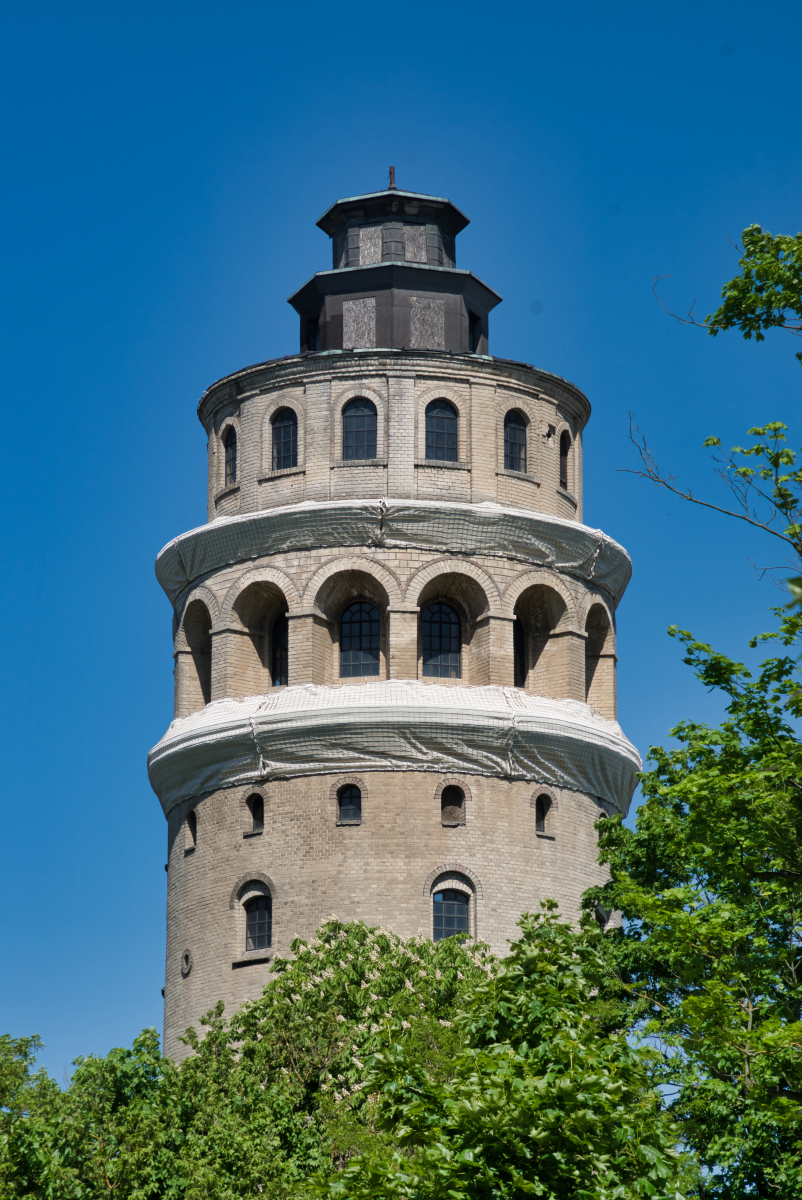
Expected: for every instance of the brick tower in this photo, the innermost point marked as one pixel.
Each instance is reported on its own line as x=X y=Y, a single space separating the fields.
x=394 y=639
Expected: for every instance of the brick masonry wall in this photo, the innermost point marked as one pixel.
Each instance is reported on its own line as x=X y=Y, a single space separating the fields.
x=382 y=871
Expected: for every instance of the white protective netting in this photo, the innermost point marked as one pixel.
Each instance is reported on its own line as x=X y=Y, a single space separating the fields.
x=463 y=529
x=395 y=725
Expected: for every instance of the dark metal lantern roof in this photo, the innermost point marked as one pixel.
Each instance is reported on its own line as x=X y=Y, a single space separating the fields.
x=393 y=202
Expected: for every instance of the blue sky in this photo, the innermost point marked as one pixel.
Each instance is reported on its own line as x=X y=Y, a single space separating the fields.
x=164 y=167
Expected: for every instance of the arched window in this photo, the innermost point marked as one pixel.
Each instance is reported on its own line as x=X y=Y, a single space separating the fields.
x=441 y=431
x=452 y=805
x=256 y=807
x=440 y=634
x=285 y=439
x=565 y=450
x=359 y=429
x=514 y=441
x=450 y=914
x=258 y=923
x=542 y=810
x=279 y=648
x=230 y=447
x=519 y=653
x=349 y=803
x=359 y=641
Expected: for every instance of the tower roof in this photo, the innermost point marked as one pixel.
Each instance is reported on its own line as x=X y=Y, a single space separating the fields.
x=375 y=205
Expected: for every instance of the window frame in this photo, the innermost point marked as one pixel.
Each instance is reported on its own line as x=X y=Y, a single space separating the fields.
x=229 y=441
x=429 y=412
x=371 y=674
x=446 y=886
x=293 y=425
x=514 y=418
x=443 y=603
x=253 y=900
x=350 y=820
x=345 y=456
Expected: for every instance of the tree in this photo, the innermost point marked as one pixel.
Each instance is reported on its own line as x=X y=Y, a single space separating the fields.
x=710 y=956
x=541 y=1099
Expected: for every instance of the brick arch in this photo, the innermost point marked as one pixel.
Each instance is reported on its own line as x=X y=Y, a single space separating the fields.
x=592 y=600
x=453 y=781
x=244 y=880
x=259 y=575
x=453 y=869
x=207 y=597
x=451 y=566
x=541 y=577
x=345 y=781
x=368 y=566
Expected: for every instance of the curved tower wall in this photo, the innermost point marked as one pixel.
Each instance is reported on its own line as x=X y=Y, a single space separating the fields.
x=286 y=551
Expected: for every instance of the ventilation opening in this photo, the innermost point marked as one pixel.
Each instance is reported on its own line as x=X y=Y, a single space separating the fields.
x=452 y=805
x=474 y=332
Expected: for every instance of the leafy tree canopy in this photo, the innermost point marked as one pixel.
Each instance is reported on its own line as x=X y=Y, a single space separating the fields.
x=709 y=960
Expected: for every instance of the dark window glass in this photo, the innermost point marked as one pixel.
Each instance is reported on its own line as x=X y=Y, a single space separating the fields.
x=441 y=431
x=279 y=649
x=452 y=805
x=542 y=806
x=440 y=634
x=349 y=800
x=258 y=923
x=450 y=914
x=565 y=448
x=474 y=332
x=359 y=429
x=285 y=439
x=192 y=830
x=256 y=805
x=230 y=445
x=519 y=652
x=313 y=333
x=359 y=641
x=514 y=442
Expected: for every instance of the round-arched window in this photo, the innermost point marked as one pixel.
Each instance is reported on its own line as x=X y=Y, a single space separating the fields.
x=440 y=635
x=258 y=923
x=230 y=447
x=542 y=810
x=514 y=441
x=360 y=631
x=565 y=450
x=452 y=805
x=285 y=439
x=450 y=914
x=442 y=441
x=359 y=429
x=349 y=803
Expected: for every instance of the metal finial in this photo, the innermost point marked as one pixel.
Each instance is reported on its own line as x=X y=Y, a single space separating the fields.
x=392 y=177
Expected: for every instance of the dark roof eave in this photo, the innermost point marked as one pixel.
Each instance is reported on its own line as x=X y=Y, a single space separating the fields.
x=329 y=222
x=295 y=298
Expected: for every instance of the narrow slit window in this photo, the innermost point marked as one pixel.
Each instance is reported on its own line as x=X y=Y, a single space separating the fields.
x=256 y=807
x=565 y=450
x=258 y=923
x=359 y=429
x=230 y=447
x=349 y=803
x=312 y=334
x=440 y=635
x=542 y=810
x=450 y=917
x=285 y=439
x=360 y=631
x=514 y=441
x=442 y=431
x=474 y=332
x=280 y=650
x=191 y=834
x=519 y=652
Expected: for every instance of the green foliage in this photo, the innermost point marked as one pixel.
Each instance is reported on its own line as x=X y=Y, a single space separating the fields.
x=263 y=1101
x=768 y=292
x=540 y=1099
x=710 y=885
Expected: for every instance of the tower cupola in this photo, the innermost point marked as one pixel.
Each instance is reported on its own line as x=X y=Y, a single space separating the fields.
x=394 y=282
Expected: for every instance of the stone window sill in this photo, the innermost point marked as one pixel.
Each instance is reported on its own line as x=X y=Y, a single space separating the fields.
x=359 y=462
x=545 y=837
x=440 y=464
x=566 y=495
x=256 y=956
x=348 y=822
x=253 y=833
x=453 y=824
x=520 y=475
x=283 y=473
x=229 y=491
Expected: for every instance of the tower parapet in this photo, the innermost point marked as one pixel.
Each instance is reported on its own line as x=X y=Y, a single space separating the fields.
x=394 y=639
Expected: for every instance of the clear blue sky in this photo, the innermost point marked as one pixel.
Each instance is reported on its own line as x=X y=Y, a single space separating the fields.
x=164 y=165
